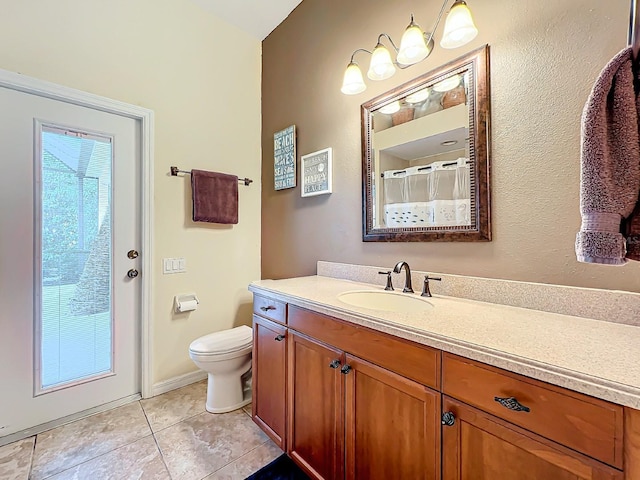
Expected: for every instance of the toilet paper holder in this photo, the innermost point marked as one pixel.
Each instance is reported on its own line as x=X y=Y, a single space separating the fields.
x=185 y=302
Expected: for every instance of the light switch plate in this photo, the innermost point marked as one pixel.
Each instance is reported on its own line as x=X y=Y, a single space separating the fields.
x=166 y=265
x=174 y=265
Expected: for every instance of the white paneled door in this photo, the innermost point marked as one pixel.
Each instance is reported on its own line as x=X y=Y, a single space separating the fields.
x=69 y=266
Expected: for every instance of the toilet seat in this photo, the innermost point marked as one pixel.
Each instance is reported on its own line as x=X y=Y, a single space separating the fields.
x=223 y=343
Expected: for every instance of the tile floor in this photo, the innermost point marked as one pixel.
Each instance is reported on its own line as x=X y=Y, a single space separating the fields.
x=170 y=436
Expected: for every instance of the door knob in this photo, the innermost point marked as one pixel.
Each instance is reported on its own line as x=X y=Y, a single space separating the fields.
x=132 y=254
x=448 y=419
x=133 y=273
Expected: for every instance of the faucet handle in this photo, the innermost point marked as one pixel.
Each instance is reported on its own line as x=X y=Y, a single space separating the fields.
x=389 y=284
x=425 y=287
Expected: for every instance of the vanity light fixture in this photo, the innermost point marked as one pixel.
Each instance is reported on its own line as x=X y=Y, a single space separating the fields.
x=381 y=66
x=415 y=46
x=458 y=27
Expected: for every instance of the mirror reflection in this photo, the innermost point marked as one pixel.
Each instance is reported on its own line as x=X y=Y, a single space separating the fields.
x=424 y=181
x=423 y=155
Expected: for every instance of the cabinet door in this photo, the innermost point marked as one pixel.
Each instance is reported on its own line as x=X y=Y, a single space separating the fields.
x=269 y=378
x=392 y=425
x=479 y=446
x=316 y=405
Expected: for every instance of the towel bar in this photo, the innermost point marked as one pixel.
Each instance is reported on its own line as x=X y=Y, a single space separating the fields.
x=176 y=170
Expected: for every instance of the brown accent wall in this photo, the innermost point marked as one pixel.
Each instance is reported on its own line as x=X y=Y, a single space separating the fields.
x=545 y=57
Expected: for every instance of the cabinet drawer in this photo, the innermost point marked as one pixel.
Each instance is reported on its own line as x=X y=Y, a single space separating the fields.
x=588 y=425
x=403 y=357
x=269 y=308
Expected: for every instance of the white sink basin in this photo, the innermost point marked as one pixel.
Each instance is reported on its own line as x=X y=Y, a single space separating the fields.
x=385 y=300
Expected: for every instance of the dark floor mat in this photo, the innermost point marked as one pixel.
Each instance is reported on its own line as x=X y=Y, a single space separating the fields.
x=282 y=468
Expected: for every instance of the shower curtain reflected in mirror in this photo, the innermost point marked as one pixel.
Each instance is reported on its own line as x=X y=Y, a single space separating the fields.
x=434 y=195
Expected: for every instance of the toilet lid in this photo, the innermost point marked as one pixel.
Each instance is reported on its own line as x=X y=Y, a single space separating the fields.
x=226 y=341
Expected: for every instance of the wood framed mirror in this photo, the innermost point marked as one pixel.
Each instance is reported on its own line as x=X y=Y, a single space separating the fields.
x=425 y=156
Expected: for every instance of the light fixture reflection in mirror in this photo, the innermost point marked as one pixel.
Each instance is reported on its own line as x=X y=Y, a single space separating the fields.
x=391 y=108
x=415 y=46
x=447 y=84
x=418 y=97
x=425 y=157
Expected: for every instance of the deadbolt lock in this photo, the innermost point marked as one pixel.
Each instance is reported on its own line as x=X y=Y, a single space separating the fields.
x=132 y=254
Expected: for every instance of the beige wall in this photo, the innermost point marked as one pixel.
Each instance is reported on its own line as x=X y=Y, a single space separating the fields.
x=174 y=58
x=544 y=59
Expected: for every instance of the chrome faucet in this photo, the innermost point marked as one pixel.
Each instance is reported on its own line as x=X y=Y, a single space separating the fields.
x=407 y=283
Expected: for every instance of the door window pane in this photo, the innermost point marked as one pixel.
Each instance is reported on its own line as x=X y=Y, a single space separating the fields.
x=75 y=212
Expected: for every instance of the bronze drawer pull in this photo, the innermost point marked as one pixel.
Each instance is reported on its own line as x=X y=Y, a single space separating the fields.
x=512 y=404
x=267 y=308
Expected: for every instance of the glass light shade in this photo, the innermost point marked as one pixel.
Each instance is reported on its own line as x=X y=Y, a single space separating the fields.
x=381 y=66
x=413 y=47
x=447 y=84
x=353 y=83
x=391 y=108
x=459 y=28
x=419 y=96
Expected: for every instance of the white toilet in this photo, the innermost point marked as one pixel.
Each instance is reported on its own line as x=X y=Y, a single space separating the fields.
x=226 y=357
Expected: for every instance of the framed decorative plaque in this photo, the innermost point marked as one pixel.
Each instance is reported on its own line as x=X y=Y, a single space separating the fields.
x=284 y=158
x=316 y=173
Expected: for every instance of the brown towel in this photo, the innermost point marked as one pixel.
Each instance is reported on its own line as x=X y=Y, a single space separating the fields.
x=610 y=163
x=215 y=197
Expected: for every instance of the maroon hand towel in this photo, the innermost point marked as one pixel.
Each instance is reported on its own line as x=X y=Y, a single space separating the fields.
x=215 y=197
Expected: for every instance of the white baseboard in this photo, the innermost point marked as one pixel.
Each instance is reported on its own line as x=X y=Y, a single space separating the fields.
x=177 y=382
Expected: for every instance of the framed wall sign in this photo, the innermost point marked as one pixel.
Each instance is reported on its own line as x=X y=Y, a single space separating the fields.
x=284 y=158
x=316 y=173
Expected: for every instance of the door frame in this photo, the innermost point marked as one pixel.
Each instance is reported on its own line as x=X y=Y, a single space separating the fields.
x=42 y=88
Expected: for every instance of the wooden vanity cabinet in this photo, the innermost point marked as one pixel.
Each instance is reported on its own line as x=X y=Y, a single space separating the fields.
x=511 y=426
x=269 y=378
x=316 y=407
x=350 y=418
x=582 y=423
x=392 y=425
x=480 y=446
x=349 y=402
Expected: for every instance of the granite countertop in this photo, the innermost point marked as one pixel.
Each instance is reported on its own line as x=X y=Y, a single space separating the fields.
x=594 y=357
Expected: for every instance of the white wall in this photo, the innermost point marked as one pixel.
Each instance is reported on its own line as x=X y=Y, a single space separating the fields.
x=202 y=78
